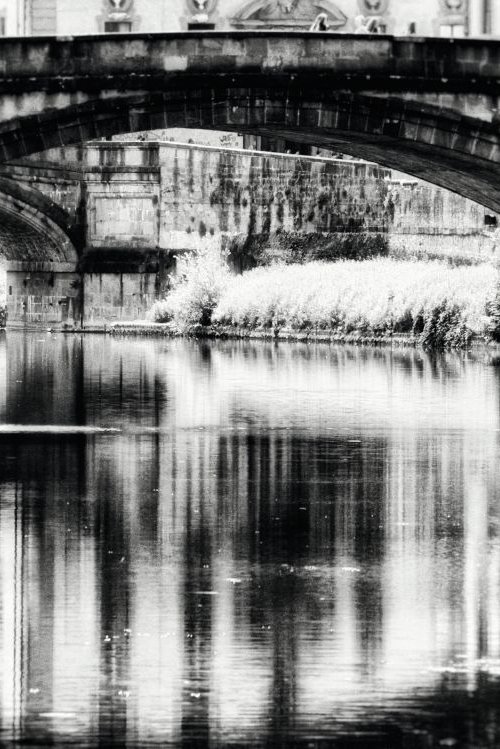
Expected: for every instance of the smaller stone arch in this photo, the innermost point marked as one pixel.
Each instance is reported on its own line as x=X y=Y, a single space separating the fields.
x=38 y=261
x=33 y=229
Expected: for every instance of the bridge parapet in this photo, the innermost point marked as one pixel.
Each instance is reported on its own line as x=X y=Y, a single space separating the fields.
x=423 y=61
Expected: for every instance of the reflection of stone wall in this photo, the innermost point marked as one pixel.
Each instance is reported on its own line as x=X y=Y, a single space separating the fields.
x=217 y=138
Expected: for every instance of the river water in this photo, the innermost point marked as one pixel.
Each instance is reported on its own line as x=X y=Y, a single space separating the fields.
x=233 y=543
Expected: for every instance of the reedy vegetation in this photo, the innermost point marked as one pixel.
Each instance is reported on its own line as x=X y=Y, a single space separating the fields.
x=443 y=306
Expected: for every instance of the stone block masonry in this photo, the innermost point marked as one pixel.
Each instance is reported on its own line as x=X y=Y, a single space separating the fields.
x=49 y=295
x=177 y=197
x=111 y=297
x=235 y=199
x=180 y=197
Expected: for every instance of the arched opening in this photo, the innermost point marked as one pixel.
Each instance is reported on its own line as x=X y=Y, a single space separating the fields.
x=38 y=261
x=456 y=152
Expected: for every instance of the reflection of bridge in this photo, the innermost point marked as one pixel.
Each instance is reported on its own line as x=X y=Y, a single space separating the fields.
x=426 y=106
x=352 y=545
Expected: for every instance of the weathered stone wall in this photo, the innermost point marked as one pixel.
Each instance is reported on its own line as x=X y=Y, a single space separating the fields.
x=180 y=197
x=49 y=296
x=59 y=297
x=210 y=197
x=421 y=208
x=430 y=222
x=122 y=183
x=118 y=296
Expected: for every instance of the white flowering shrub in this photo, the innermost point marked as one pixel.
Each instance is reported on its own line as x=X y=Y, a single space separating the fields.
x=196 y=289
x=445 y=305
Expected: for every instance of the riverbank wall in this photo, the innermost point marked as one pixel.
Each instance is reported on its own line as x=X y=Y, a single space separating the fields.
x=141 y=204
x=280 y=335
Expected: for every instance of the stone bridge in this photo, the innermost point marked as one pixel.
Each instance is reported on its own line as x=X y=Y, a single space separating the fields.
x=429 y=107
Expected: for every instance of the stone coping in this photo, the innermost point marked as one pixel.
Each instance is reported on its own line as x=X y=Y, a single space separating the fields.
x=124 y=144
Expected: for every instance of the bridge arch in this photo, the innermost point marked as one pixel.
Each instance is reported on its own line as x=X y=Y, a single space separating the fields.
x=33 y=229
x=459 y=153
x=38 y=259
x=430 y=107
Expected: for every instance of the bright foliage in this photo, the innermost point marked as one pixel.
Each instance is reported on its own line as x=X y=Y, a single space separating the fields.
x=381 y=295
x=443 y=305
x=197 y=287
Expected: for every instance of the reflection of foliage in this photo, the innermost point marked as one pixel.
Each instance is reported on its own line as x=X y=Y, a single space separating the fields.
x=444 y=305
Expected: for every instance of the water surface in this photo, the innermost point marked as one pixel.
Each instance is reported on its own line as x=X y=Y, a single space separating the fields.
x=229 y=544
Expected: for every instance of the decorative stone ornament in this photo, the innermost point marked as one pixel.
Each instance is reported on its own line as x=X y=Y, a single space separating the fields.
x=453 y=12
x=373 y=7
x=287 y=14
x=119 y=7
x=201 y=7
x=453 y=6
x=118 y=16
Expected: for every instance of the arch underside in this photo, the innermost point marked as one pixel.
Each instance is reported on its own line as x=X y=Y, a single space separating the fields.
x=456 y=152
x=27 y=233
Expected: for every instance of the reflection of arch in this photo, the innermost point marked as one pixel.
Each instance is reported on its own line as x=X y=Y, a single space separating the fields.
x=287 y=13
x=456 y=152
x=32 y=227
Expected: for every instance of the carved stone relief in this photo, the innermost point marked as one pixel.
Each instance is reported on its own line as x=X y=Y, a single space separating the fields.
x=287 y=14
